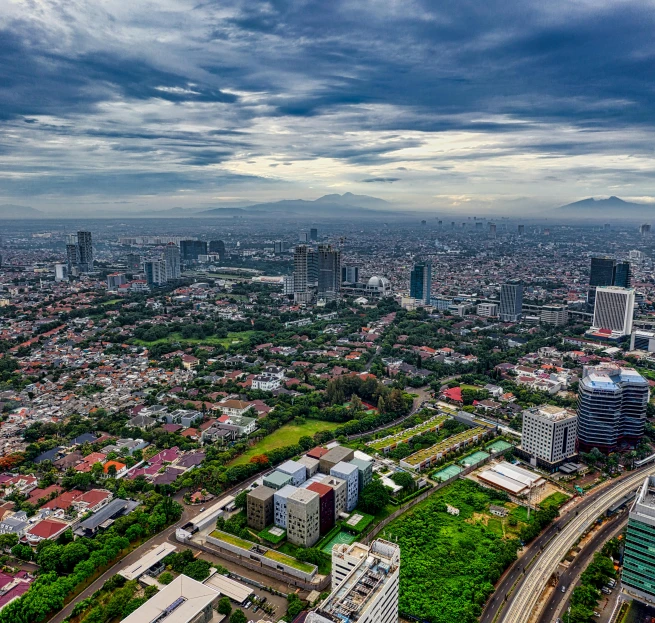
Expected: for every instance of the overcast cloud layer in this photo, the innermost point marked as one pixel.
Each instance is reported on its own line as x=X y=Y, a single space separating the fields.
x=501 y=104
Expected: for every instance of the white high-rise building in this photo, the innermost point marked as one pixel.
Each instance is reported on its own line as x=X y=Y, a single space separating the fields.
x=556 y=315
x=61 y=272
x=172 y=259
x=368 y=592
x=614 y=309
x=549 y=433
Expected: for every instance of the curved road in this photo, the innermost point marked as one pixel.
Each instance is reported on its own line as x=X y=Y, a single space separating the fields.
x=527 y=578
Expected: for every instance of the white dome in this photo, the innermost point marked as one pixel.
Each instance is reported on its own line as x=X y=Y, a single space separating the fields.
x=378 y=283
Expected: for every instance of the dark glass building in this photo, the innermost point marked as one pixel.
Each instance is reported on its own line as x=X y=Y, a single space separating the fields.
x=191 y=249
x=420 y=282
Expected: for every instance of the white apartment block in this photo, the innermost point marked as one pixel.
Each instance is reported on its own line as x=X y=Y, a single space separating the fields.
x=614 y=309
x=555 y=315
x=487 y=310
x=369 y=591
x=549 y=433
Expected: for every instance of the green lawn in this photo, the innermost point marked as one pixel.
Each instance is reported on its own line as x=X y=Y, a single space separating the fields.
x=285 y=436
x=554 y=500
x=112 y=302
x=207 y=341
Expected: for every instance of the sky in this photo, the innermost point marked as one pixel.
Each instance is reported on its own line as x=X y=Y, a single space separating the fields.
x=494 y=105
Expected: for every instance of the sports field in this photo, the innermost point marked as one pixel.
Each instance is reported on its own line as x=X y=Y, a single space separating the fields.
x=287 y=435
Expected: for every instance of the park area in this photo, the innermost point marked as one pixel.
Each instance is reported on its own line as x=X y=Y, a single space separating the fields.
x=225 y=342
x=451 y=562
x=287 y=435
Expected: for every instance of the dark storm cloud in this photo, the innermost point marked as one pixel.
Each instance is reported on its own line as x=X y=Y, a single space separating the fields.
x=190 y=88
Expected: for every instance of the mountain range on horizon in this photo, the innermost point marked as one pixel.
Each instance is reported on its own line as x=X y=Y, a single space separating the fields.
x=611 y=208
x=345 y=205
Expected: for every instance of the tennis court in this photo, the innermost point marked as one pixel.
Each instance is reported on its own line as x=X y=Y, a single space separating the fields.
x=473 y=459
x=340 y=538
x=498 y=446
x=446 y=473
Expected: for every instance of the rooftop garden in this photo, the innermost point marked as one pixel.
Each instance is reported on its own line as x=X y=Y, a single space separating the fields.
x=443 y=446
x=408 y=434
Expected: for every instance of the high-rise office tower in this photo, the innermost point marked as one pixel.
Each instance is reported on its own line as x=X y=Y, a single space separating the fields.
x=364 y=585
x=313 y=234
x=511 y=301
x=191 y=249
x=492 y=230
x=172 y=259
x=133 y=262
x=350 y=274
x=329 y=271
x=217 y=247
x=72 y=254
x=312 y=268
x=606 y=271
x=303 y=236
x=155 y=272
x=638 y=575
x=300 y=268
x=612 y=405
x=420 y=282
x=549 y=433
x=277 y=247
x=521 y=230
x=85 y=250
x=644 y=229
x=614 y=309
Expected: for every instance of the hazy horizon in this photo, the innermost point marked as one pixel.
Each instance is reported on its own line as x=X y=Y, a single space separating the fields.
x=496 y=108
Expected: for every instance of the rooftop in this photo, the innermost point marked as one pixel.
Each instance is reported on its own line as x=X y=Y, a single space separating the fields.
x=179 y=602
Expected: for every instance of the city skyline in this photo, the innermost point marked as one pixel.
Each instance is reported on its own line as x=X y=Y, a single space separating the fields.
x=495 y=108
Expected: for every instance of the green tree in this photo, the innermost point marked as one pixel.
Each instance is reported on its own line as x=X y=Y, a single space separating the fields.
x=374 y=497
x=238 y=617
x=7 y=541
x=224 y=606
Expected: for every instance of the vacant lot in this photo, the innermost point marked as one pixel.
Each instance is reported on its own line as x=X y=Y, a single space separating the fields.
x=450 y=563
x=285 y=436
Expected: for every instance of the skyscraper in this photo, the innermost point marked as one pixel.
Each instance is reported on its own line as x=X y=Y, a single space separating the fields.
x=614 y=309
x=420 y=282
x=329 y=271
x=511 y=301
x=521 y=230
x=72 y=254
x=155 y=272
x=217 y=247
x=611 y=407
x=172 y=259
x=606 y=271
x=638 y=576
x=85 y=251
x=300 y=268
x=313 y=234
x=191 y=249
x=350 y=274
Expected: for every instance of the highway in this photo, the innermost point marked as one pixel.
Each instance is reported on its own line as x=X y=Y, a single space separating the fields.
x=570 y=577
x=522 y=602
